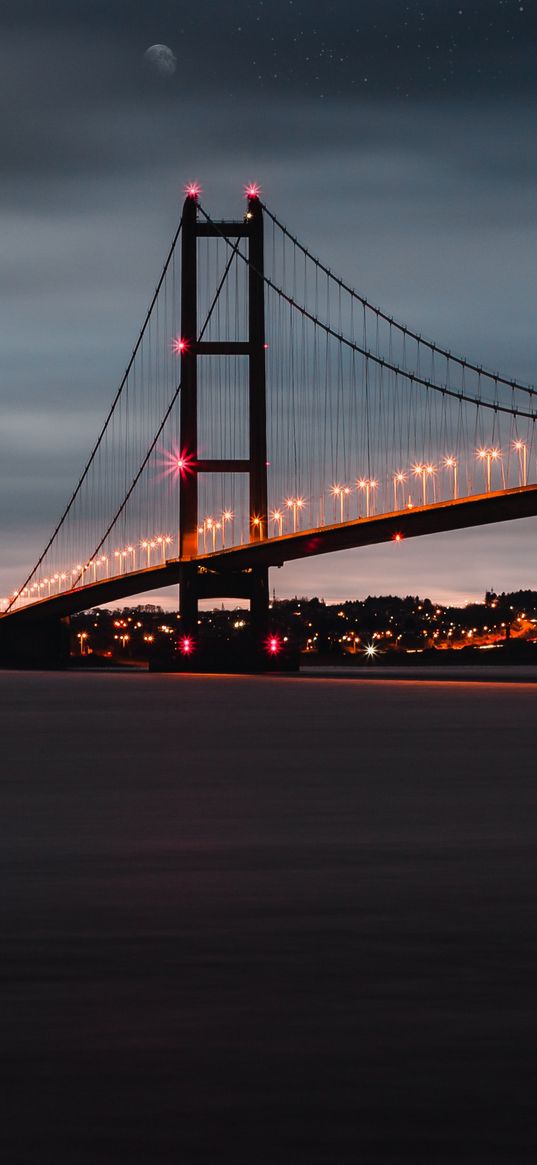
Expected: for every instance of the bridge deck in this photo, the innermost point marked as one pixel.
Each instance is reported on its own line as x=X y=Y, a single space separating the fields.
x=439 y=517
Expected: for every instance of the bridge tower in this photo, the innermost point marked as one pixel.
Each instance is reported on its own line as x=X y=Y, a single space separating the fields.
x=200 y=582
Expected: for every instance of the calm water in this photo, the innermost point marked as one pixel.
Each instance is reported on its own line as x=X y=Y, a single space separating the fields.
x=267 y=920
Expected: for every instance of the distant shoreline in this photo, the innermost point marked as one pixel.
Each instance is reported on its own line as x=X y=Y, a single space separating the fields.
x=432 y=673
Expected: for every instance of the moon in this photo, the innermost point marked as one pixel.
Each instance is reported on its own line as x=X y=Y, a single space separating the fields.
x=161 y=59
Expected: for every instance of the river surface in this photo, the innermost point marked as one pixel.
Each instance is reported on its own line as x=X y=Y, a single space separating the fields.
x=267 y=920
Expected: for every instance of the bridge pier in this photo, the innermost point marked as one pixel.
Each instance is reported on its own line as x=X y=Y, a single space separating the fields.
x=259 y=603
x=34 y=643
x=192 y=653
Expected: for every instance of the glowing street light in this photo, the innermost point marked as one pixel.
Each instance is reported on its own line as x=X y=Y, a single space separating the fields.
x=120 y=556
x=227 y=516
x=430 y=470
x=487 y=456
x=296 y=505
x=422 y=471
x=213 y=527
x=451 y=463
x=203 y=530
x=277 y=518
x=257 y=524
x=341 y=492
x=370 y=651
x=163 y=540
x=522 y=449
x=368 y=484
x=361 y=484
x=399 y=479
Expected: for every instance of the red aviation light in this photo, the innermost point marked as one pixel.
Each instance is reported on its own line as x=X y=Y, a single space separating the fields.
x=179 y=346
x=252 y=190
x=184 y=463
x=192 y=189
x=186 y=645
x=273 y=645
x=398 y=538
x=177 y=462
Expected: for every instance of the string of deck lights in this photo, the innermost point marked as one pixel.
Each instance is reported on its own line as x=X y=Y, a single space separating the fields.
x=217 y=532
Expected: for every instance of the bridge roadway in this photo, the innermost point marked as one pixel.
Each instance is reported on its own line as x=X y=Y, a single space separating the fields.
x=229 y=565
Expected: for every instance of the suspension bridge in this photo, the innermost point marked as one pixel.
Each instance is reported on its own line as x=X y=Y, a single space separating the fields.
x=269 y=412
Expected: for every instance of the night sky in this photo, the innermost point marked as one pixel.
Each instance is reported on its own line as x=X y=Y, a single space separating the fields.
x=396 y=139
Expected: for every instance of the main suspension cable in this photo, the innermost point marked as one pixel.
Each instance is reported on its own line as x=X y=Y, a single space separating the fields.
x=380 y=314
x=413 y=377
